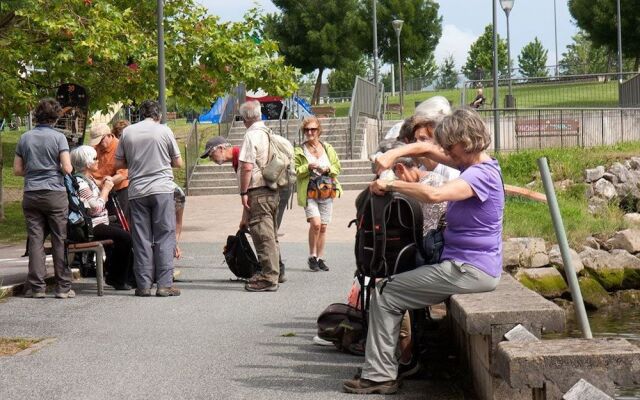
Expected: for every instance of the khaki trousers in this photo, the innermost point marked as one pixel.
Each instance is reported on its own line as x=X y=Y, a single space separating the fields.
x=263 y=204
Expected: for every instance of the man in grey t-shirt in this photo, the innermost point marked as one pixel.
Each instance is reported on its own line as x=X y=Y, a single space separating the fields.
x=149 y=150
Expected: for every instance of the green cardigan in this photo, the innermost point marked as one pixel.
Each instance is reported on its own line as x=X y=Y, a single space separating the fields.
x=302 y=171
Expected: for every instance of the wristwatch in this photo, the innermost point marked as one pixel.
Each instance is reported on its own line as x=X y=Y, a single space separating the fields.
x=244 y=193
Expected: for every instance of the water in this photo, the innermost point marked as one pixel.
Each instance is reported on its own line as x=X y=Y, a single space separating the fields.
x=617 y=322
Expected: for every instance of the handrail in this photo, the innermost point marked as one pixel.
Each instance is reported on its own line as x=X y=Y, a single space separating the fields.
x=364 y=101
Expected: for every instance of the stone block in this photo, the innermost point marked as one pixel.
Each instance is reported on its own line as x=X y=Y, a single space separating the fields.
x=632 y=219
x=524 y=252
x=547 y=282
x=610 y=177
x=605 y=189
x=593 y=174
x=630 y=296
x=562 y=362
x=634 y=163
x=583 y=390
x=603 y=267
x=621 y=172
x=597 y=205
x=628 y=239
x=592 y=243
x=555 y=259
x=593 y=294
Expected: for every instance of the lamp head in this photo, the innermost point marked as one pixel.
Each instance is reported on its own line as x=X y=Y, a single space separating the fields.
x=397 y=25
x=507 y=5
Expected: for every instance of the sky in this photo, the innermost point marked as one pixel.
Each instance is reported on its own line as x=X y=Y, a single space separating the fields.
x=462 y=22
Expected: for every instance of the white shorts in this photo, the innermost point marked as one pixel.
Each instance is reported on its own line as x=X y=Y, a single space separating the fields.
x=319 y=208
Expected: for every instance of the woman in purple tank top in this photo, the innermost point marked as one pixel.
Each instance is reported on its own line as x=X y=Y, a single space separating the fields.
x=472 y=257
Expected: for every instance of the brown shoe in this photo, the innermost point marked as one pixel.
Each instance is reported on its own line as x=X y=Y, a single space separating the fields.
x=261 y=286
x=167 y=291
x=143 y=292
x=365 y=386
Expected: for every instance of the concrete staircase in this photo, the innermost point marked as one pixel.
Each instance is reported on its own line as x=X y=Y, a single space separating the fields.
x=209 y=178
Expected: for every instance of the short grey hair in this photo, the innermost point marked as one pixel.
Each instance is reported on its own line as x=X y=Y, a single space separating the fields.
x=250 y=111
x=434 y=109
x=463 y=126
x=82 y=157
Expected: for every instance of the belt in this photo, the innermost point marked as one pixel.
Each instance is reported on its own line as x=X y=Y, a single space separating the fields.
x=260 y=188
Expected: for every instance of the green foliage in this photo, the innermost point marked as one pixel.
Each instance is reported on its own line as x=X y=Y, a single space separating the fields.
x=480 y=59
x=582 y=57
x=533 y=59
x=316 y=34
x=447 y=74
x=342 y=79
x=420 y=33
x=13 y=228
x=598 y=19
x=109 y=47
x=420 y=68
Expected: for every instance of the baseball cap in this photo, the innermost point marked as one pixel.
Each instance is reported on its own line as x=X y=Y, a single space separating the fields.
x=213 y=143
x=97 y=132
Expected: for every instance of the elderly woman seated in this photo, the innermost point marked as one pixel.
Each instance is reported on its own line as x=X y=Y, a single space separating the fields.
x=119 y=262
x=472 y=257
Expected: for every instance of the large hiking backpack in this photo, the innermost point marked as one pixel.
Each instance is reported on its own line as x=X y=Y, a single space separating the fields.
x=239 y=255
x=79 y=225
x=343 y=325
x=389 y=234
x=277 y=172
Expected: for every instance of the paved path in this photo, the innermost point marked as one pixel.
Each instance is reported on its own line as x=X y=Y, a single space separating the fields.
x=216 y=341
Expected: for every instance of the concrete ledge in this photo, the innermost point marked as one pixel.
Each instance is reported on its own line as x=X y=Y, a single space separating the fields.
x=562 y=362
x=510 y=304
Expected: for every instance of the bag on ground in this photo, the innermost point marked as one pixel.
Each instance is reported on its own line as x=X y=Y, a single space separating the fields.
x=79 y=225
x=239 y=255
x=342 y=325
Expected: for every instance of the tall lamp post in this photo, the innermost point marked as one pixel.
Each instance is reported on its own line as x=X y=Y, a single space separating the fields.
x=555 y=30
x=619 y=41
x=397 y=26
x=375 y=43
x=507 y=5
x=161 y=79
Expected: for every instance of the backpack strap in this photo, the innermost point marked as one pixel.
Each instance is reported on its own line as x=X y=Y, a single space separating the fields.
x=378 y=211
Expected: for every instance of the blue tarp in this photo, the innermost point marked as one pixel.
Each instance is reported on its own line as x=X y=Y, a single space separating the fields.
x=214 y=114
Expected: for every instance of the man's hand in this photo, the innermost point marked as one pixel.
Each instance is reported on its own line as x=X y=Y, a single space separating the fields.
x=245 y=201
x=107 y=183
x=244 y=221
x=313 y=166
x=378 y=187
x=177 y=253
x=383 y=162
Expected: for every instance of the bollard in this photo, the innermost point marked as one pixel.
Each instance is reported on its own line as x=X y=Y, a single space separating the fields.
x=572 y=279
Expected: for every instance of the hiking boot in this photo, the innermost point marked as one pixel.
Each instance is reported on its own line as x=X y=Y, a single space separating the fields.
x=119 y=286
x=34 y=295
x=281 y=277
x=143 y=292
x=365 y=386
x=261 y=286
x=312 y=262
x=167 y=291
x=322 y=265
x=410 y=369
x=70 y=294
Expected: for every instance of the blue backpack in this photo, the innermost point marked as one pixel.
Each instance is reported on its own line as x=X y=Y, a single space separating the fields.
x=79 y=225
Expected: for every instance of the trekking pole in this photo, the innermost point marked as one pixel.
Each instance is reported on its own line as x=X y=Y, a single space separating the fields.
x=119 y=213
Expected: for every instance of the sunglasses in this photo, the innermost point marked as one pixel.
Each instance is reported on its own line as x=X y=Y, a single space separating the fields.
x=305 y=130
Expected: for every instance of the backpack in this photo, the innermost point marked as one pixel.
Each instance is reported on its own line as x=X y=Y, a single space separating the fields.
x=239 y=255
x=79 y=225
x=389 y=234
x=343 y=325
x=277 y=172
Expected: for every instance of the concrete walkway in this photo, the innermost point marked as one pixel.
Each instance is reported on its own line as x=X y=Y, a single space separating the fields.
x=216 y=341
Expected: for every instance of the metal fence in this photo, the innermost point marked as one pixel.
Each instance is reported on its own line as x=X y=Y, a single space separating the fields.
x=630 y=92
x=538 y=128
x=366 y=100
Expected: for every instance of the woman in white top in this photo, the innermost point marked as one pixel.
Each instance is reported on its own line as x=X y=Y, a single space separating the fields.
x=119 y=261
x=317 y=169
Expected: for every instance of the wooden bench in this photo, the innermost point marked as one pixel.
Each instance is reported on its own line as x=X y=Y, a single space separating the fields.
x=323 y=111
x=392 y=108
x=546 y=132
x=171 y=115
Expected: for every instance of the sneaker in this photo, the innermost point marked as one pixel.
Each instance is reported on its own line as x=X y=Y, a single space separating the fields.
x=410 y=369
x=321 y=342
x=34 y=295
x=312 y=262
x=322 y=265
x=143 y=292
x=261 y=286
x=365 y=386
x=167 y=291
x=119 y=286
x=70 y=294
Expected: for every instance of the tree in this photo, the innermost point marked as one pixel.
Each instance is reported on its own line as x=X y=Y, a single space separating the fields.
x=316 y=34
x=109 y=47
x=533 y=59
x=425 y=69
x=479 y=63
x=447 y=75
x=582 y=57
x=598 y=19
x=342 y=79
x=419 y=37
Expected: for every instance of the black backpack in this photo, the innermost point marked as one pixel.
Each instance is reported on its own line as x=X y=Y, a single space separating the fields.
x=389 y=234
x=79 y=225
x=239 y=255
x=342 y=325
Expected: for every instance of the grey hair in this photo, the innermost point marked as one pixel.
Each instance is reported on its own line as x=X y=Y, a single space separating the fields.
x=82 y=157
x=250 y=111
x=434 y=109
x=463 y=126
x=408 y=162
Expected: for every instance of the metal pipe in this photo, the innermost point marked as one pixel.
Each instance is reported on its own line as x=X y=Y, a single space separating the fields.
x=555 y=25
x=509 y=57
x=401 y=83
x=572 y=278
x=161 y=78
x=619 y=42
x=375 y=43
x=496 y=116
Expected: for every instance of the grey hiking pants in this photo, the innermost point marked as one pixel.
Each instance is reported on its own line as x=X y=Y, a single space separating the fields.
x=411 y=290
x=153 y=233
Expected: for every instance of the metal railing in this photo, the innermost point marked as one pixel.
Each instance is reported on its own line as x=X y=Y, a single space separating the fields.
x=191 y=156
x=539 y=128
x=365 y=101
x=629 y=95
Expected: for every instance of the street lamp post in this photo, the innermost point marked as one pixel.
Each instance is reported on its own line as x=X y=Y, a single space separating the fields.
x=397 y=26
x=161 y=79
x=375 y=43
x=496 y=114
x=619 y=42
x=555 y=30
x=507 y=5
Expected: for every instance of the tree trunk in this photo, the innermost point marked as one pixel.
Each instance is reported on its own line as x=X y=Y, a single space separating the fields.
x=316 y=91
x=1 y=182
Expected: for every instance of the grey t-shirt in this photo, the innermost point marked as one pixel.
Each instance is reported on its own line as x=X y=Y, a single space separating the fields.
x=40 y=150
x=148 y=149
